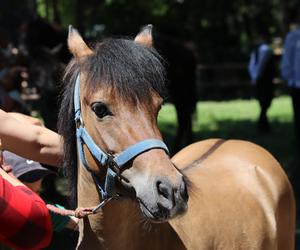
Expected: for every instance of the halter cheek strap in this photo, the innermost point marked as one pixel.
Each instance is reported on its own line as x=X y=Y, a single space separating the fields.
x=114 y=164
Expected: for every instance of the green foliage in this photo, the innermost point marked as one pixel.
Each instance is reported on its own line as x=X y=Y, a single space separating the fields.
x=221 y=30
x=41 y=8
x=66 y=11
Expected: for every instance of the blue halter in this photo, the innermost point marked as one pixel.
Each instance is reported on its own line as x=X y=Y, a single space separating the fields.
x=114 y=164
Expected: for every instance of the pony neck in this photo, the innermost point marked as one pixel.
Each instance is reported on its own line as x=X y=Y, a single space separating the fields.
x=119 y=225
x=87 y=196
x=98 y=231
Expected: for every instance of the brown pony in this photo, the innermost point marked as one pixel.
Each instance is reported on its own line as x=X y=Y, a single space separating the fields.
x=239 y=196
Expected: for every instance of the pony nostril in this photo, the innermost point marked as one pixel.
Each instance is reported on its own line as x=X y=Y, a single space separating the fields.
x=184 y=192
x=162 y=189
x=165 y=191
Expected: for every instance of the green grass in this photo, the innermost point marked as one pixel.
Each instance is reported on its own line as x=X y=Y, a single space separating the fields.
x=237 y=120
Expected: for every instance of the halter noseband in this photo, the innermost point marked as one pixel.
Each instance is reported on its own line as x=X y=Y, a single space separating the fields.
x=114 y=164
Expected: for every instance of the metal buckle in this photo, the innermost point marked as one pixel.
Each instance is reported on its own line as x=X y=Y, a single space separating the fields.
x=112 y=164
x=78 y=122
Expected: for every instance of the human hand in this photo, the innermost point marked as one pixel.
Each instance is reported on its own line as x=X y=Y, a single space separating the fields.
x=73 y=221
x=78 y=213
x=7 y=168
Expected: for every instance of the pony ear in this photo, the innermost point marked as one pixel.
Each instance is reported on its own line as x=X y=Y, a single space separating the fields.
x=76 y=44
x=145 y=36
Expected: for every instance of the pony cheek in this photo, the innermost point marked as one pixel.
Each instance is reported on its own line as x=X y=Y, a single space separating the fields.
x=135 y=179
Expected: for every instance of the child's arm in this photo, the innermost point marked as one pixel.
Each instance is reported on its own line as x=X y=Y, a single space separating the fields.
x=31 y=141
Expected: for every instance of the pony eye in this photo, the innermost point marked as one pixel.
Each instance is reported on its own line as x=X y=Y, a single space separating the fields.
x=100 y=109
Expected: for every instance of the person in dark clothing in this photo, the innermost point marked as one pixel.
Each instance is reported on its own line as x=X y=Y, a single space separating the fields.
x=262 y=70
x=290 y=71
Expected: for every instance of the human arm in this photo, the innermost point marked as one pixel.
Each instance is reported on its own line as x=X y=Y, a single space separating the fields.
x=62 y=218
x=30 y=141
x=12 y=180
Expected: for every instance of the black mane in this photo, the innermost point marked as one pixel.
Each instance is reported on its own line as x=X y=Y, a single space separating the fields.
x=132 y=70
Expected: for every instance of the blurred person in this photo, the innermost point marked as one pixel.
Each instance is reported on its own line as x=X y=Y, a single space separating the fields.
x=6 y=102
x=12 y=72
x=25 y=220
x=31 y=174
x=290 y=70
x=10 y=95
x=25 y=136
x=261 y=68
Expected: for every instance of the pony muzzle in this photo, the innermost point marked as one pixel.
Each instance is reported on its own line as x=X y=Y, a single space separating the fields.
x=169 y=200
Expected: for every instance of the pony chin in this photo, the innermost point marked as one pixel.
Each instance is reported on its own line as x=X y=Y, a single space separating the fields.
x=157 y=213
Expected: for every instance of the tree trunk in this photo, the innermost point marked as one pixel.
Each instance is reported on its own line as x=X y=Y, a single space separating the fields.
x=79 y=18
x=56 y=16
x=47 y=9
x=283 y=17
